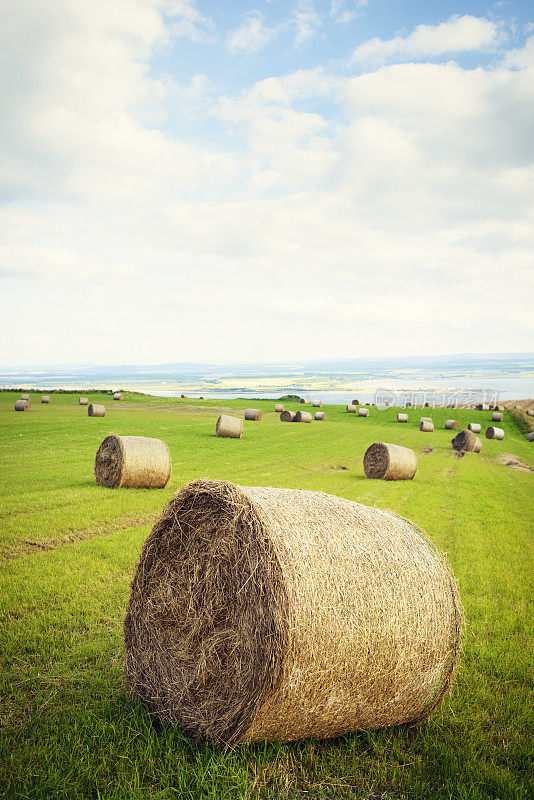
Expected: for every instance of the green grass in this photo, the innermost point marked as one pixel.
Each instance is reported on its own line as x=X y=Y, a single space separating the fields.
x=68 y=549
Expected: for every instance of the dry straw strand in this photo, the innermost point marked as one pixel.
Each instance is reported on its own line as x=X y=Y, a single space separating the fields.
x=494 y=433
x=451 y=425
x=466 y=440
x=45 y=398
x=474 y=427
x=231 y=427
x=363 y=412
x=83 y=401
x=134 y=461
x=426 y=425
x=390 y=462
x=287 y=416
x=23 y=405
x=402 y=417
x=96 y=410
x=320 y=416
x=278 y=408
x=253 y=414
x=303 y=416
x=261 y=613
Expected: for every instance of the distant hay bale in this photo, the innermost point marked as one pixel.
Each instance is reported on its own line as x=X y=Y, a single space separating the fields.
x=355 y=402
x=517 y=408
x=278 y=614
x=320 y=416
x=475 y=427
x=351 y=409
x=134 y=461
x=425 y=419
x=25 y=397
x=496 y=416
x=402 y=417
x=96 y=410
x=530 y=436
x=451 y=425
x=317 y=404
x=287 y=416
x=389 y=462
x=231 y=427
x=302 y=400
x=499 y=408
x=183 y=396
x=427 y=405
x=83 y=401
x=303 y=416
x=253 y=414
x=427 y=426
x=117 y=396
x=363 y=412
x=279 y=408
x=45 y=398
x=466 y=440
x=408 y=405
x=494 y=433
x=530 y=412
x=23 y=405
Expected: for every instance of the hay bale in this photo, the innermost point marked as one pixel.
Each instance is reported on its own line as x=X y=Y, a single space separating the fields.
x=466 y=440
x=45 y=398
x=317 y=404
x=494 y=433
x=23 y=405
x=25 y=397
x=96 y=410
x=351 y=409
x=231 y=427
x=302 y=400
x=277 y=614
x=427 y=405
x=425 y=419
x=355 y=402
x=530 y=436
x=320 y=416
x=278 y=408
x=408 y=404
x=303 y=416
x=499 y=408
x=427 y=426
x=83 y=401
x=530 y=412
x=253 y=414
x=451 y=425
x=390 y=462
x=287 y=416
x=135 y=461
x=475 y=427
x=183 y=396
x=117 y=396
x=402 y=417
x=363 y=412
x=496 y=416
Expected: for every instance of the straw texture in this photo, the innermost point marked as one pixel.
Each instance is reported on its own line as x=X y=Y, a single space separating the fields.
x=253 y=414
x=496 y=416
x=402 y=417
x=390 y=462
x=303 y=416
x=135 y=461
x=320 y=416
x=426 y=426
x=351 y=409
x=96 y=410
x=262 y=613
x=451 y=425
x=466 y=440
x=363 y=412
x=279 y=408
x=494 y=433
x=45 y=398
x=23 y=405
x=287 y=416
x=475 y=427
x=117 y=396
x=231 y=427
x=83 y=401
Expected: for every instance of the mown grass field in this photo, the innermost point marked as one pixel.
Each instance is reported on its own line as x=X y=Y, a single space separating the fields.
x=69 y=728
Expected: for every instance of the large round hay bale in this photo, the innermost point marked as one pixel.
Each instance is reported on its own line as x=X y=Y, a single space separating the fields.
x=303 y=416
x=390 y=462
x=494 y=433
x=83 y=401
x=277 y=614
x=25 y=397
x=402 y=417
x=530 y=436
x=466 y=440
x=45 y=398
x=96 y=410
x=135 y=461
x=287 y=416
x=363 y=412
x=231 y=427
x=320 y=416
x=117 y=396
x=23 y=405
x=451 y=425
x=317 y=404
x=474 y=427
x=278 y=408
x=253 y=414
x=496 y=417
x=351 y=409
x=427 y=426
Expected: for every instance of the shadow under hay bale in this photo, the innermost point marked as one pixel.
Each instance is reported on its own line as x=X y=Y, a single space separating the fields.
x=451 y=425
x=277 y=614
x=230 y=427
x=96 y=410
x=496 y=416
x=363 y=412
x=133 y=461
x=466 y=440
x=389 y=462
x=83 y=401
x=303 y=416
x=427 y=426
x=287 y=416
x=253 y=414
x=474 y=427
x=45 y=398
x=402 y=417
x=320 y=416
x=278 y=408
x=494 y=433
x=23 y=405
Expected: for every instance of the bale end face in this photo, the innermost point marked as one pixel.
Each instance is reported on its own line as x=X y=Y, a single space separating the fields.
x=229 y=427
x=389 y=462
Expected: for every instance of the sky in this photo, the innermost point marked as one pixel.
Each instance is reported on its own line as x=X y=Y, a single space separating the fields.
x=184 y=180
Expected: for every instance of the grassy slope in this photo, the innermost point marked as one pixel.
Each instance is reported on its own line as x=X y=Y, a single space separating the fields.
x=69 y=728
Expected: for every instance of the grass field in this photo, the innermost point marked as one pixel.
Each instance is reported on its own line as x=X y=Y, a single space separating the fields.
x=69 y=728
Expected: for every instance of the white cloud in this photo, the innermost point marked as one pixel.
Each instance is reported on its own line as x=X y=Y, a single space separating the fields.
x=346 y=10
x=187 y=21
x=306 y=21
x=252 y=35
x=459 y=34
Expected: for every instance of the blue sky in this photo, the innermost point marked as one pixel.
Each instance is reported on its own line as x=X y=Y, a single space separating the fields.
x=195 y=181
